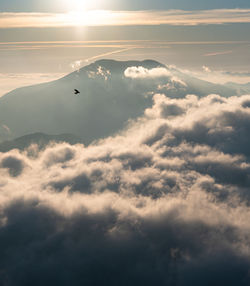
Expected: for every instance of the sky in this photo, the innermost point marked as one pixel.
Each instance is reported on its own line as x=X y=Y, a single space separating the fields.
x=46 y=38
x=57 y=5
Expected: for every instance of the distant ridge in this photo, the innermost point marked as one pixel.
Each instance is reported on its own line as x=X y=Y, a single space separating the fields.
x=120 y=66
x=41 y=139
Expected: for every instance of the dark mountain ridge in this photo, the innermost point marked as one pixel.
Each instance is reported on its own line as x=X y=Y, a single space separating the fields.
x=42 y=140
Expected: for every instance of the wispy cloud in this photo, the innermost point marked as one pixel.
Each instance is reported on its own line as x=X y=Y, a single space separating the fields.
x=10 y=81
x=76 y=65
x=219 y=76
x=122 y=45
x=108 y=54
x=113 y=18
x=218 y=53
x=119 y=44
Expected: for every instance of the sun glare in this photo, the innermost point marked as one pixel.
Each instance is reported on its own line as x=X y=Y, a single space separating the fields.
x=77 y=11
x=80 y=5
x=87 y=18
x=76 y=5
x=85 y=13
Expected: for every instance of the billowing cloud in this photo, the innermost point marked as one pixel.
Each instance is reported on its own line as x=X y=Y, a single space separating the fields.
x=142 y=72
x=174 y=84
x=166 y=201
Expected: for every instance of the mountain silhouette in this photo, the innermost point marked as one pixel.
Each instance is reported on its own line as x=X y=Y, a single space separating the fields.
x=42 y=140
x=108 y=100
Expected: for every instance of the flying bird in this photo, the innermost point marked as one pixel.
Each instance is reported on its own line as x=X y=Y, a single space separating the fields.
x=76 y=91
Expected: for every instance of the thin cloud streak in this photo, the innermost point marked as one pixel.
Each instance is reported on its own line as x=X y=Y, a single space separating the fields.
x=108 y=54
x=40 y=47
x=124 y=18
x=218 y=53
x=125 y=41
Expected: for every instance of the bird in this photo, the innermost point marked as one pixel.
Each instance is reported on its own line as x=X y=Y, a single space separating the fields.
x=76 y=91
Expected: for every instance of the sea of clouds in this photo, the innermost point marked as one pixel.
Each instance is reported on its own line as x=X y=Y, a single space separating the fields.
x=164 y=202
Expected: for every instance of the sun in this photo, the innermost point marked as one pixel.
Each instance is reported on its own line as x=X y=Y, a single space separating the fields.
x=85 y=13
x=80 y=5
x=76 y=5
x=76 y=11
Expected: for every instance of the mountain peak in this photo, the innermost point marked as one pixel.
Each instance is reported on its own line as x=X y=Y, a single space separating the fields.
x=115 y=66
x=108 y=99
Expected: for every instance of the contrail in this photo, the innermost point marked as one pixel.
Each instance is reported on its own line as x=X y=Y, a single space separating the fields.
x=109 y=53
x=218 y=53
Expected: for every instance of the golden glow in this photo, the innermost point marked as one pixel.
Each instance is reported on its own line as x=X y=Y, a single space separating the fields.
x=88 y=17
x=80 y=14
x=77 y=18
x=79 y=5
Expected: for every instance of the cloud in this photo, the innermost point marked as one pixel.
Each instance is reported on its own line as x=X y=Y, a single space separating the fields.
x=206 y=69
x=220 y=76
x=100 y=72
x=13 y=162
x=6 y=128
x=109 y=53
x=174 y=84
x=218 y=53
x=123 y=18
x=239 y=74
x=163 y=201
x=141 y=72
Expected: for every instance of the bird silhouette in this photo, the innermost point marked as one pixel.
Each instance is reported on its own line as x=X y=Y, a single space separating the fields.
x=76 y=91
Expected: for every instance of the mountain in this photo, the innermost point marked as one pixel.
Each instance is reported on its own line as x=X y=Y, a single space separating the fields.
x=240 y=88
x=108 y=99
x=42 y=140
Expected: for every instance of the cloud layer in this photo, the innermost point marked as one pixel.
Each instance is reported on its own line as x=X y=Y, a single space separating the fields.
x=166 y=201
x=124 y=18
